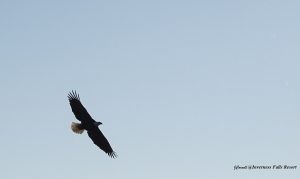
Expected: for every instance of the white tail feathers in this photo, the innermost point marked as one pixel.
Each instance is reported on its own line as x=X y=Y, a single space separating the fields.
x=76 y=127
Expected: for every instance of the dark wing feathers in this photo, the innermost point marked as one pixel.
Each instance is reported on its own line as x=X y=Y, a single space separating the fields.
x=99 y=139
x=78 y=109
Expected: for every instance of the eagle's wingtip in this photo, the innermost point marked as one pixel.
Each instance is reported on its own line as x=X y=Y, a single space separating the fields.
x=113 y=154
x=73 y=95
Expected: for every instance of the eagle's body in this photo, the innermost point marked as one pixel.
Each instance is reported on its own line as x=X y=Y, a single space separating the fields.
x=88 y=124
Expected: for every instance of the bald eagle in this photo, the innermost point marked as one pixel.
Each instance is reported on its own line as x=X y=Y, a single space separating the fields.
x=88 y=124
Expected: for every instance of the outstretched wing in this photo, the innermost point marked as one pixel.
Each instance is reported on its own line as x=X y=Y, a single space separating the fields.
x=99 y=139
x=78 y=109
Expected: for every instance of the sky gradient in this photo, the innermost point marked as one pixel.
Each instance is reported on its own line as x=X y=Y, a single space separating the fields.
x=184 y=89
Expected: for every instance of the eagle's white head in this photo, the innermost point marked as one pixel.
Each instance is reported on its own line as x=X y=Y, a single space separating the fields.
x=97 y=123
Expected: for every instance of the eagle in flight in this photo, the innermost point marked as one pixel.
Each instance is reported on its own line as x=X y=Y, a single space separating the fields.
x=88 y=124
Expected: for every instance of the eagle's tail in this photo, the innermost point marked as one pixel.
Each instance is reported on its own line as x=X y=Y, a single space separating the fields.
x=77 y=128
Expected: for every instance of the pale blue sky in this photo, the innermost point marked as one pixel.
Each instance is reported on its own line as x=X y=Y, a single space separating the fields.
x=185 y=89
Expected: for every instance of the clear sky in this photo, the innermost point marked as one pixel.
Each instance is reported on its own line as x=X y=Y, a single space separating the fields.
x=185 y=89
